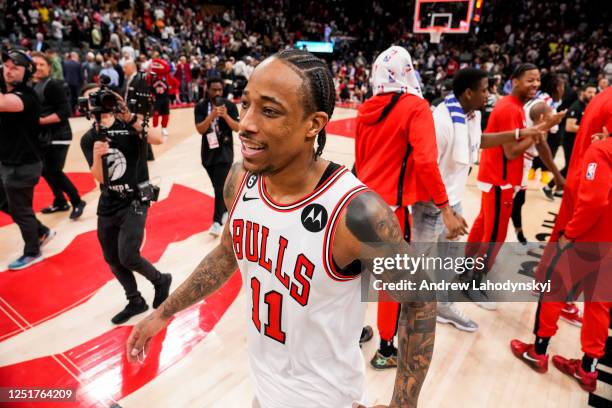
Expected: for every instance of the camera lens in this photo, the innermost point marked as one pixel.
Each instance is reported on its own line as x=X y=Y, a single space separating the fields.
x=105 y=80
x=107 y=100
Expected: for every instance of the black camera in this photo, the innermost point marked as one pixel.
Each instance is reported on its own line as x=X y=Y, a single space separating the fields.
x=102 y=101
x=147 y=192
x=219 y=101
x=139 y=96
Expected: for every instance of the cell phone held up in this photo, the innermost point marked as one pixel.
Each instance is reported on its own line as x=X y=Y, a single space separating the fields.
x=219 y=101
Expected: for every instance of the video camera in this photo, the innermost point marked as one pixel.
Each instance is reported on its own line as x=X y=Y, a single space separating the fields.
x=102 y=101
x=139 y=96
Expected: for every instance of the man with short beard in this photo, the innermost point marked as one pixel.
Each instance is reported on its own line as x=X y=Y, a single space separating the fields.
x=56 y=127
x=20 y=154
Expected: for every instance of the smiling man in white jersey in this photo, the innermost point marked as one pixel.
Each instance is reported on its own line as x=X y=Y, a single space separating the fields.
x=297 y=229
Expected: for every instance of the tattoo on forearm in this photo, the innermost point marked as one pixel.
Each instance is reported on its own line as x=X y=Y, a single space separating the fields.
x=416 y=334
x=214 y=269
x=209 y=275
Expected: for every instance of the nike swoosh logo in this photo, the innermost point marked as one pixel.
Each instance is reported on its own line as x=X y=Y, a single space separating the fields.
x=528 y=357
x=245 y=198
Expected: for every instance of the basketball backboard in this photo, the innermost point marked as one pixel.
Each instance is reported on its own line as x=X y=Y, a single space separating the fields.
x=446 y=16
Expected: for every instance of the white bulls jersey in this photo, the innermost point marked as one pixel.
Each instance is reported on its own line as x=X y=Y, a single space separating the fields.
x=304 y=317
x=532 y=151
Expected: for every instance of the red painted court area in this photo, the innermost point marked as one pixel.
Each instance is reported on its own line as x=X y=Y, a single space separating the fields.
x=342 y=127
x=43 y=196
x=59 y=283
x=98 y=368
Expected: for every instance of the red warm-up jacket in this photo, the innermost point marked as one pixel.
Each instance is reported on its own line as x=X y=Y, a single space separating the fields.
x=397 y=157
x=592 y=217
x=598 y=114
x=495 y=168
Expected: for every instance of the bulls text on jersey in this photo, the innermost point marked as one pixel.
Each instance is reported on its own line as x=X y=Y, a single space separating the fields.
x=251 y=242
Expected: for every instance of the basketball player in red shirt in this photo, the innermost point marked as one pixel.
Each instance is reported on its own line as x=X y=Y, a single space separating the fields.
x=589 y=204
x=591 y=222
x=309 y=314
x=501 y=171
x=595 y=123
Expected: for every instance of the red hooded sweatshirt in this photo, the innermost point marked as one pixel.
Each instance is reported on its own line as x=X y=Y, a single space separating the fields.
x=397 y=157
x=592 y=218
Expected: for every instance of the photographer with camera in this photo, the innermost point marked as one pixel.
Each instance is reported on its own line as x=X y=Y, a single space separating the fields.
x=56 y=135
x=115 y=150
x=215 y=119
x=20 y=154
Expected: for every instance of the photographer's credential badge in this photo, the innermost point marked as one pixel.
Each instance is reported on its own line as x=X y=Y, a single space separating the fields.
x=213 y=141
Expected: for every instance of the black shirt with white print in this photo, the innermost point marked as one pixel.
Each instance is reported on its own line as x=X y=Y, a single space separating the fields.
x=125 y=165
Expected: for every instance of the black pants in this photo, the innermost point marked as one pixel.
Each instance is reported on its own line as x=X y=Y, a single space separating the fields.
x=53 y=172
x=120 y=236
x=16 y=194
x=517 y=207
x=74 y=96
x=554 y=141
x=568 y=148
x=218 y=173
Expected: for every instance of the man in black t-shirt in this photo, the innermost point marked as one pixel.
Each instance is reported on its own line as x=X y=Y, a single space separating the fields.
x=573 y=118
x=117 y=158
x=571 y=124
x=20 y=154
x=215 y=119
x=55 y=128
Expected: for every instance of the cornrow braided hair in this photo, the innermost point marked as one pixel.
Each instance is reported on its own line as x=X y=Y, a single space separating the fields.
x=318 y=88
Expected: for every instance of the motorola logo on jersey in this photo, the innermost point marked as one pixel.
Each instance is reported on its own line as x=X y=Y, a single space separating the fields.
x=314 y=217
x=251 y=181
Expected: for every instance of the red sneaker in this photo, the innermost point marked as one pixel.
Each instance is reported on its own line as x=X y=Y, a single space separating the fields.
x=571 y=314
x=526 y=352
x=587 y=380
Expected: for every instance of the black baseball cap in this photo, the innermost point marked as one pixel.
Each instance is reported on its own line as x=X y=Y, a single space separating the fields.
x=19 y=58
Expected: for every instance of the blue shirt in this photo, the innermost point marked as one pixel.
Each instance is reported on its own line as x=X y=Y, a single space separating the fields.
x=112 y=74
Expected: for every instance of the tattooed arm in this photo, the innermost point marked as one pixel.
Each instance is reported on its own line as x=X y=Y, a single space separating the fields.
x=368 y=228
x=212 y=272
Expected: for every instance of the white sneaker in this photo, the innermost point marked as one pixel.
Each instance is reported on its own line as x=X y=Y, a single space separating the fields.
x=164 y=132
x=452 y=315
x=481 y=299
x=215 y=230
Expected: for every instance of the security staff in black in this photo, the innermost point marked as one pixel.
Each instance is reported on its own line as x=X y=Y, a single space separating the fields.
x=215 y=119
x=56 y=135
x=117 y=159
x=20 y=155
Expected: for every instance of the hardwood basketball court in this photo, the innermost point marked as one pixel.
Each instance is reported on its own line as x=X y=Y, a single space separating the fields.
x=55 y=316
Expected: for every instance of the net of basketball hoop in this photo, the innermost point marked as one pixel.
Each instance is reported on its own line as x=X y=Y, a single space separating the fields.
x=435 y=36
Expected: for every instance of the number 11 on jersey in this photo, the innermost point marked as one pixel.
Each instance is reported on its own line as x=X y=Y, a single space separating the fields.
x=274 y=300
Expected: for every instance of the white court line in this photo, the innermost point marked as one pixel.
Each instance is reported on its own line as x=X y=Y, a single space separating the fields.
x=71 y=306
x=73 y=375
x=21 y=328
x=44 y=319
x=15 y=312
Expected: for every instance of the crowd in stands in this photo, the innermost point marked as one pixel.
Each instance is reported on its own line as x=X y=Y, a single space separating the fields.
x=86 y=38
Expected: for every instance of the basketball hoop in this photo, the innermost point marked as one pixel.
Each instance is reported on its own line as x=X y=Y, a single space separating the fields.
x=436 y=35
